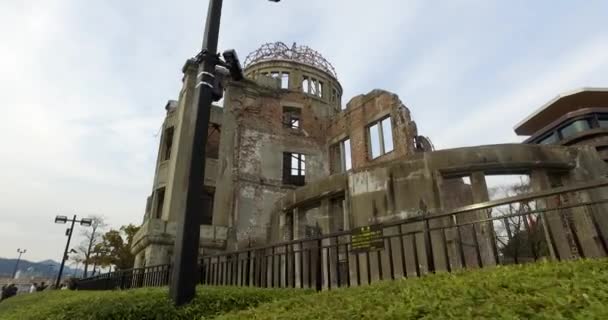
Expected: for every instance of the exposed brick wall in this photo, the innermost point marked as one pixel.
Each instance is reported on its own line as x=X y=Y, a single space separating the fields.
x=365 y=109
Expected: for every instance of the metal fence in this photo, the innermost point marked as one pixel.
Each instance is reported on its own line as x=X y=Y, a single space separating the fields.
x=559 y=224
x=155 y=276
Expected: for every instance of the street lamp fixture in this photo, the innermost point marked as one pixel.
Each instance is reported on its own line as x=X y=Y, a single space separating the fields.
x=20 y=251
x=183 y=284
x=62 y=220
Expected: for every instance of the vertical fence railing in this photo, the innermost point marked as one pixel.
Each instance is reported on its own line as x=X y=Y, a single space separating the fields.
x=559 y=224
x=154 y=276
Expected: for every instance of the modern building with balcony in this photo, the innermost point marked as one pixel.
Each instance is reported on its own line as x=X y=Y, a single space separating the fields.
x=578 y=117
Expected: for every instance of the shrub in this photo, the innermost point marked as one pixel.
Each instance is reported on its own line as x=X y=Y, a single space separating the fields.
x=148 y=303
x=567 y=290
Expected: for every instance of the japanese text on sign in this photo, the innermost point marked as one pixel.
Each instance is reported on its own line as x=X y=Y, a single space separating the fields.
x=367 y=238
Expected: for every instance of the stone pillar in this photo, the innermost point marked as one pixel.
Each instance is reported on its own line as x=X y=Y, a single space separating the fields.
x=484 y=231
x=553 y=224
x=297 y=234
x=157 y=254
x=453 y=193
x=139 y=260
x=175 y=194
x=591 y=221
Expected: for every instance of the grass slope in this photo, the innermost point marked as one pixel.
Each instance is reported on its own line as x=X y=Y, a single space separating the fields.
x=567 y=290
x=148 y=303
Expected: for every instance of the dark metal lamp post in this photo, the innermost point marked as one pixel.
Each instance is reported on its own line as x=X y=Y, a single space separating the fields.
x=21 y=251
x=86 y=222
x=183 y=279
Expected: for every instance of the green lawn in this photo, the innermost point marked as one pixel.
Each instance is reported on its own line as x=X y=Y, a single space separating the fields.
x=567 y=290
x=148 y=303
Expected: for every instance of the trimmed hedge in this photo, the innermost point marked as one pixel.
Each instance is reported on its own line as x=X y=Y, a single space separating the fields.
x=567 y=290
x=148 y=303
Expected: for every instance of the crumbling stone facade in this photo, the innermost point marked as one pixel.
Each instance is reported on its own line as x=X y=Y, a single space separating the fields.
x=286 y=161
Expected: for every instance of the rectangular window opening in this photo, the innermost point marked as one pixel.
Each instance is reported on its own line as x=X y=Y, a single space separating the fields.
x=347 y=155
x=160 y=202
x=305 y=85
x=208 y=202
x=380 y=137
x=168 y=143
x=294 y=168
x=284 y=80
x=340 y=154
x=387 y=132
x=320 y=91
x=292 y=117
x=374 y=136
x=313 y=87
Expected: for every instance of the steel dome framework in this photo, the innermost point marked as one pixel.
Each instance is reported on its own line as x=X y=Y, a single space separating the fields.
x=280 y=51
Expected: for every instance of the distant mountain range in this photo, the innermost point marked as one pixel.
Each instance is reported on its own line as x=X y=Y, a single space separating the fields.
x=46 y=268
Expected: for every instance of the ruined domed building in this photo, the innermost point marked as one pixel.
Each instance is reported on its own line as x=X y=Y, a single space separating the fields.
x=288 y=160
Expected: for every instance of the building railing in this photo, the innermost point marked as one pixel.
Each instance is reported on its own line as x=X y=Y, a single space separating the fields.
x=559 y=224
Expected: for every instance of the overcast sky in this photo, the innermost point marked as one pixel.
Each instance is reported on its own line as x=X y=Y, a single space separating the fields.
x=83 y=83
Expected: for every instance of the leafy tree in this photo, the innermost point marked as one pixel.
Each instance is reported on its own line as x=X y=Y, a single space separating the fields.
x=115 y=248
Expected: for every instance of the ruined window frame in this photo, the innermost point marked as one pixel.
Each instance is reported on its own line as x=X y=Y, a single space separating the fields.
x=381 y=137
x=292 y=117
x=346 y=163
x=159 y=202
x=208 y=200
x=299 y=178
x=313 y=90
x=334 y=97
x=320 y=89
x=312 y=86
x=284 y=80
x=167 y=145
x=305 y=84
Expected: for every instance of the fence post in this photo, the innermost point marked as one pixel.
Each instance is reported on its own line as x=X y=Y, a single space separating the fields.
x=428 y=245
x=122 y=279
x=107 y=282
x=318 y=265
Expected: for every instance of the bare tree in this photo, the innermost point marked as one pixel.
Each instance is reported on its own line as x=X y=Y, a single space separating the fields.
x=518 y=229
x=92 y=236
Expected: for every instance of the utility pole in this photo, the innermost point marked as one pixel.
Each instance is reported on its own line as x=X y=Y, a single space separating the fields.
x=183 y=284
x=21 y=251
x=184 y=271
x=63 y=219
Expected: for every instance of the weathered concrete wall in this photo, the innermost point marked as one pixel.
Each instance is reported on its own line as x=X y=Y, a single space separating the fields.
x=429 y=184
x=170 y=173
x=254 y=138
x=153 y=244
